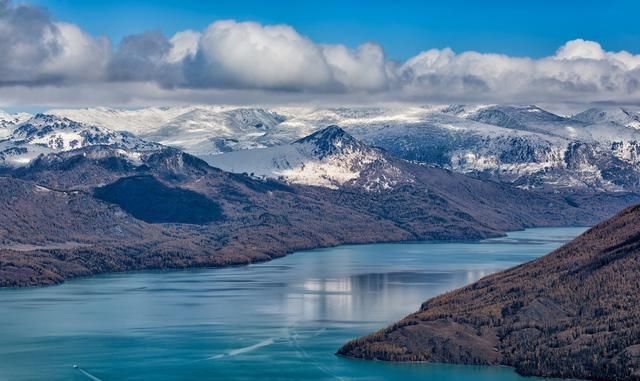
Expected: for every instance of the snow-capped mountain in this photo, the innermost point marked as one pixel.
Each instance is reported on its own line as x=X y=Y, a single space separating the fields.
x=205 y=132
x=44 y=134
x=618 y=115
x=556 y=152
x=137 y=121
x=534 y=119
x=525 y=145
x=329 y=158
x=200 y=130
x=526 y=118
x=9 y=121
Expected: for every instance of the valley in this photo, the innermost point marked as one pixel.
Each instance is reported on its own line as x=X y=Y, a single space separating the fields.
x=220 y=190
x=126 y=203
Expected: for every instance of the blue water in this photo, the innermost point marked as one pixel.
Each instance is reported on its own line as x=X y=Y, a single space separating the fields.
x=281 y=320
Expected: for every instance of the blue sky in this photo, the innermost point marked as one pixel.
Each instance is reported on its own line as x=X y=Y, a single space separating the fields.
x=520 y=28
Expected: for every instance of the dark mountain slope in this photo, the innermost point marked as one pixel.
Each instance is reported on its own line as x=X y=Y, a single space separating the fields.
x=53 y=227
x=572 y=314
x=149 y=200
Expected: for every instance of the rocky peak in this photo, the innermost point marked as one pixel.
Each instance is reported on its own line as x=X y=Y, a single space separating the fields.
x=43 y=124
x=332 y=140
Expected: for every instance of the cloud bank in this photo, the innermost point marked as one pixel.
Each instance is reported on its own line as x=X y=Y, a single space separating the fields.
x=57 y=59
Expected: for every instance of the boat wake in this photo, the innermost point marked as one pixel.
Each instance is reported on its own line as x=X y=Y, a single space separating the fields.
x=294 y=341
x=250 y=348
x=87 y=374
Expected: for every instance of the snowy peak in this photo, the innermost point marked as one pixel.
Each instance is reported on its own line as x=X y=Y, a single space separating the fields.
x=521 y=144
x=332 y=140
x=331 y=133
x=239 y=119
x=42 y=125
x=9 y=121
x=44 y=134
x=515 y=117
x=211 y=130
x=617 y=115
x=462 y=110
x=329 y=158
x=62 y=134
x=13 y=119
x=199 y=129
x=254 y=118
x=136 y=121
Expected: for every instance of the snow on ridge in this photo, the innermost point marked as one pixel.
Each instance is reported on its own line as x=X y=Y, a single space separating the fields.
x=14 y=118
x=44 y=134
x=197 y=129
x=523 y=144
x=617 y=115
x=137 y=121
x=9 y=121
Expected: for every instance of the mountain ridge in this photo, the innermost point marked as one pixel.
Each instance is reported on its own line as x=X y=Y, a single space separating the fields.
x=43 y=134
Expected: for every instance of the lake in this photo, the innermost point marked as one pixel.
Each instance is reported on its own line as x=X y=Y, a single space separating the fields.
x=281 y=320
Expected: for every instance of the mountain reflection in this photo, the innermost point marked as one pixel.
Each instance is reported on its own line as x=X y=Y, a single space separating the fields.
x=379 y=297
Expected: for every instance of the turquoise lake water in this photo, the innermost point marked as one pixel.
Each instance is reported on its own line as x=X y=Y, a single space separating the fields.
x=281 y=320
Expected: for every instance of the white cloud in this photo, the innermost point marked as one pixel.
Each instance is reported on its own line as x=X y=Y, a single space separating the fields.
x=183 y=45
x=79 y=56
x=580 y=49
x=276 y=57
x=36 y=49
x=249 y=57
x=255 y=56
x=362 y=69
x=591 y=50
x=578 y=69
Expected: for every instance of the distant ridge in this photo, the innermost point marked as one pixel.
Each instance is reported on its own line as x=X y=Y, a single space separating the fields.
x=597 y=150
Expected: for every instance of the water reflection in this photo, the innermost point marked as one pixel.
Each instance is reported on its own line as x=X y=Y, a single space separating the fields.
x=372 y=296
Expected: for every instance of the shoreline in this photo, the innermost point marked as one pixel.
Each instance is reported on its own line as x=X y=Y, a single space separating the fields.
x=259 y=261
x=454 y=364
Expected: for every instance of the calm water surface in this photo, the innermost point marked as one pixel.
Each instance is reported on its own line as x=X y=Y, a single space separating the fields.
x=281 y=320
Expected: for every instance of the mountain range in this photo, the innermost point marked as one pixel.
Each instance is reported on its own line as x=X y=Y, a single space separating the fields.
x=89 y=199
x=527 y=146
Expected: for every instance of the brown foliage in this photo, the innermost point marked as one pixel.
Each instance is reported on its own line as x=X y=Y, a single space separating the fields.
x=572 y=314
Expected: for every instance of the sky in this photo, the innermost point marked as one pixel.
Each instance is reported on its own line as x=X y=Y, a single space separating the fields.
x=134 y=53
x=404 y=28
